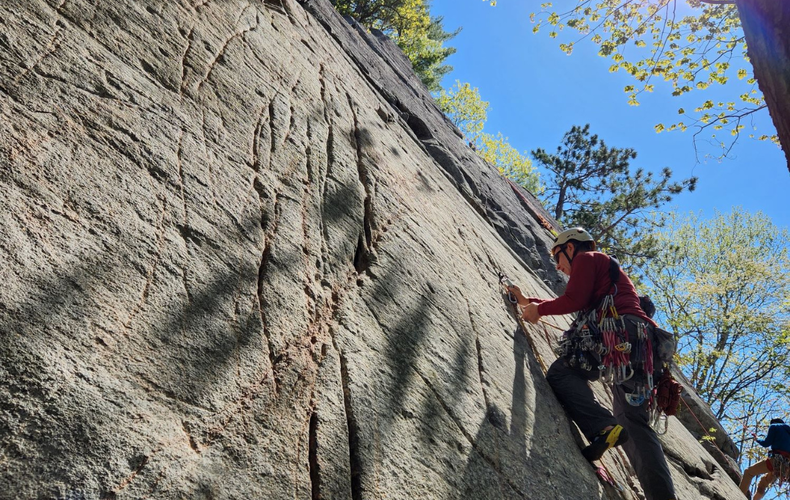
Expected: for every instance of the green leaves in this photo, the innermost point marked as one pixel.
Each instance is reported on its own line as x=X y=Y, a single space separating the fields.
x=688 y=52
x=408 y=22
x=466 y=109
x=723 y=285
x=510 y=162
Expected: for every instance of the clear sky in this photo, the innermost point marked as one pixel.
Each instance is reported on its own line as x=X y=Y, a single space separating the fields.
x=536 y=93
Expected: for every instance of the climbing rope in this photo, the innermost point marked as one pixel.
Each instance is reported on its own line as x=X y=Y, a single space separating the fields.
x=506 y=284
x=707 y=434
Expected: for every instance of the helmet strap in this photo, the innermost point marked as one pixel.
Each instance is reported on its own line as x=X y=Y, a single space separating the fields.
x=570 y=260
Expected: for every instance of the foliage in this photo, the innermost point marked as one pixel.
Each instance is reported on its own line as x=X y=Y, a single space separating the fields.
x=426 y=51
x=692 y=44
x=369 y=13
x=516 y=166
x=723 y=286
x=409 y=24
x=592 y=186
x=466 y=109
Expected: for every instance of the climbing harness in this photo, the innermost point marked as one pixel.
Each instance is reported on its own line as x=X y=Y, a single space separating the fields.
x=603 y=343
x=779 y=464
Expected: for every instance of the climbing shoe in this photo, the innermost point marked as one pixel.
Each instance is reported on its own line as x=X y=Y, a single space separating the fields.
x=615 y=436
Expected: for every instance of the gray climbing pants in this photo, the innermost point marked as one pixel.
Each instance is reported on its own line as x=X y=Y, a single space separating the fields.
x=643 y=448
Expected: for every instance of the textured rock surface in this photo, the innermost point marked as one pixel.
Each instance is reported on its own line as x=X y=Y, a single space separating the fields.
x=244 y=256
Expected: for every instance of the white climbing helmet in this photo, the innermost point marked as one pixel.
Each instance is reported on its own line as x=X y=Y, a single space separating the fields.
x=576 y=233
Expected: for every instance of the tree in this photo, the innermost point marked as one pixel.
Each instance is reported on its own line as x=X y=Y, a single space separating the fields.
x=468 y=111
x=592 y=186
x=465 y=108
x=409 y=24
x=694 y=51
x=516 y=166
x=723 y=286
x=424 y=46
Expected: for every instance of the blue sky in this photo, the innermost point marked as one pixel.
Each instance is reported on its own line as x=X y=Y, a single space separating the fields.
x=536 y=93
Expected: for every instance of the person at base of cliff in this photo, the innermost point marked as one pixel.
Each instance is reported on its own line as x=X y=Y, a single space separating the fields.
x=589 y=281
x=776 y=466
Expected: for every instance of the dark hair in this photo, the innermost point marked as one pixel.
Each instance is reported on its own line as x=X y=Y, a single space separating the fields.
x=646 y=304
x=777 y=421
x=581 y=246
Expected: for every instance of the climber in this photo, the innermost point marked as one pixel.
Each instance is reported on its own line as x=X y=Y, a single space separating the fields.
x=588 y=285
x=776 y=466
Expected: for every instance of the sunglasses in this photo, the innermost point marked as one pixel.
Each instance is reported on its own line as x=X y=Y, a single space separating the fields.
x=557 y=255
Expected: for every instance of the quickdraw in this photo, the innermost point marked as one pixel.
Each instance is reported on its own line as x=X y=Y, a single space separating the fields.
x=506 y=284
x=615 y=364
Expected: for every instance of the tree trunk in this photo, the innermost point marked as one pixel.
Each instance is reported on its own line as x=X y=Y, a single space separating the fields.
x=559 y=208
x=766 y=25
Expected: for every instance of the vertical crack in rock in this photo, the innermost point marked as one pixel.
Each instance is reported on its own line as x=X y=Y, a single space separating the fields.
x=323 y=179
x=312 y=178
x=494 y=466
x=355 y=461
x=256 y=137
x=313 y=457
x=308 y=153
x=272 y=144
x=264 y=264
x=479 y=348
x=330 y=142
x=182 y=85
x=360 y=261
x=180 y=164
x=362 y=256
x=291 y=124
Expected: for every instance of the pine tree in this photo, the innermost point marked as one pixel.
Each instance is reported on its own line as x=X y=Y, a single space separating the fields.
x=409 y=24
x=591 y=185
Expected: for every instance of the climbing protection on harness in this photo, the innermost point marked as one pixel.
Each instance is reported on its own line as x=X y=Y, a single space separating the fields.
x=604 y=344
x=780 y=466
x=665 y=401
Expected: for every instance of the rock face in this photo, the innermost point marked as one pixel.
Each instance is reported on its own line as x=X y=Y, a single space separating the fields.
x=244 y=256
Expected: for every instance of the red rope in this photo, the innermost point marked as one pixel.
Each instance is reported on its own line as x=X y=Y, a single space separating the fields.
x=704 y=429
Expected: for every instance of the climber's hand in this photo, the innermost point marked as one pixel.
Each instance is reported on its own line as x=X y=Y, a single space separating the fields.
x=531 y=312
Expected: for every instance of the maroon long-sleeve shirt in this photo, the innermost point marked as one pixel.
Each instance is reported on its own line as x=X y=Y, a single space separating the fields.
x=589 y=282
